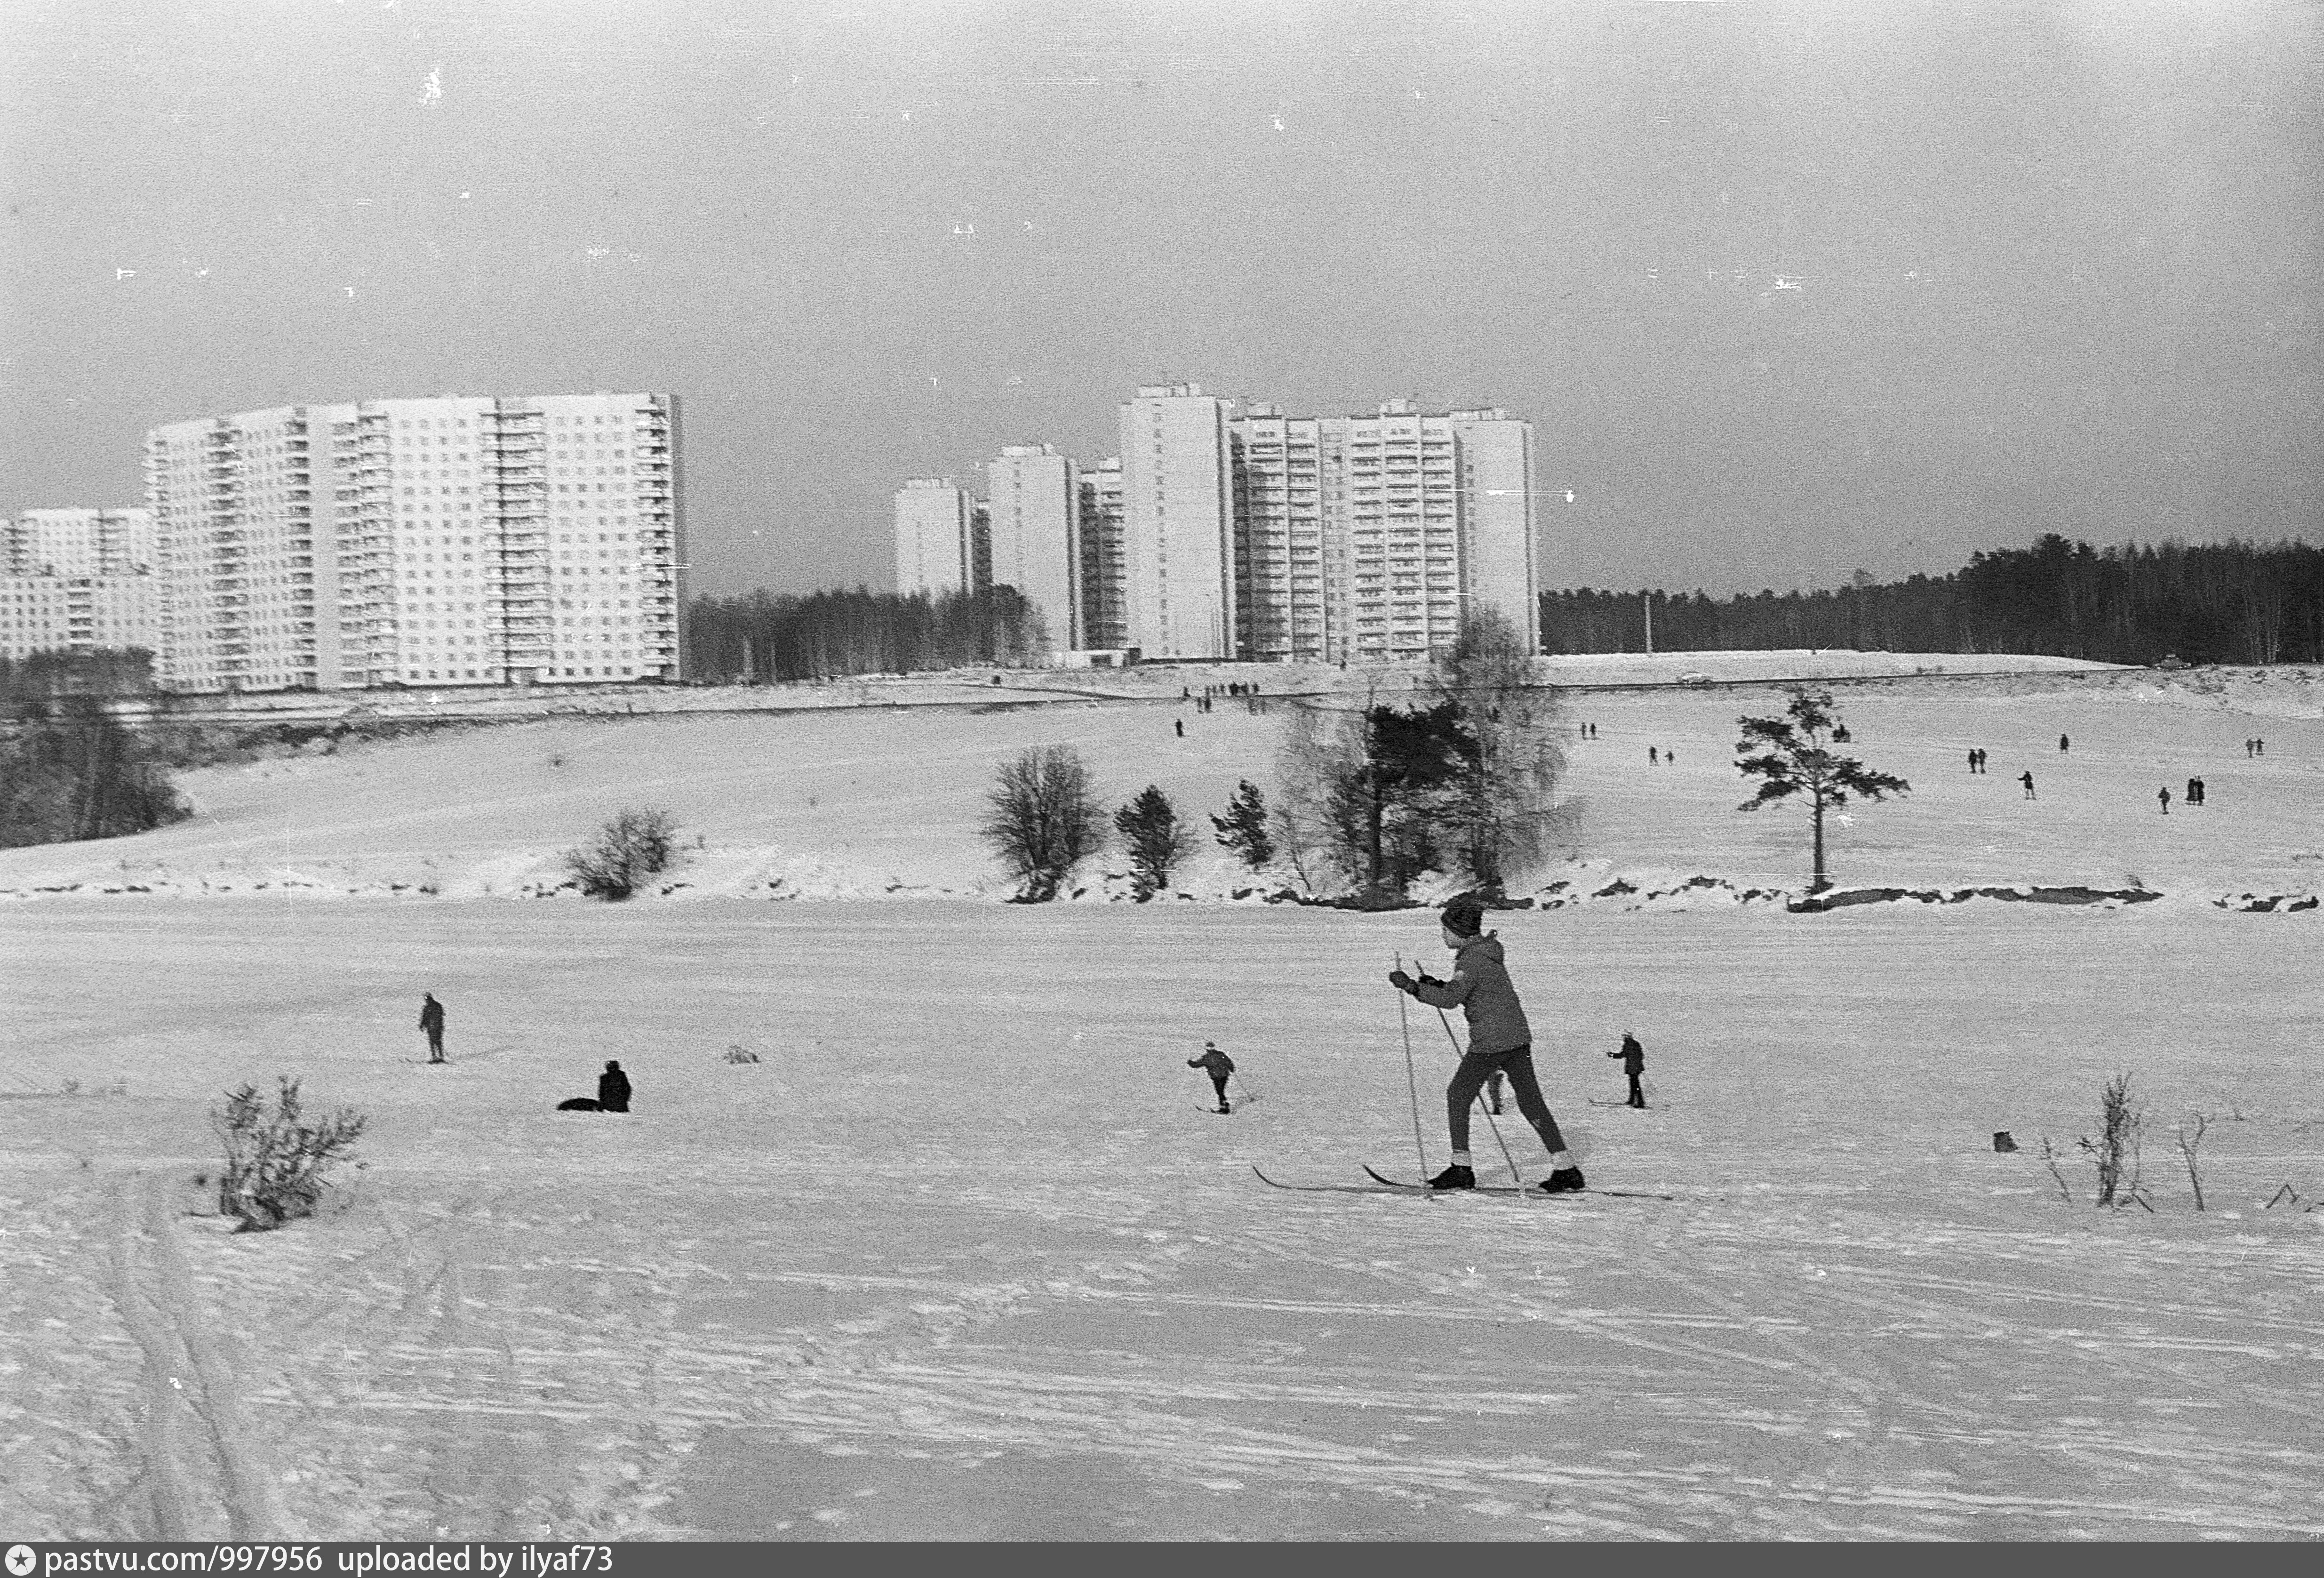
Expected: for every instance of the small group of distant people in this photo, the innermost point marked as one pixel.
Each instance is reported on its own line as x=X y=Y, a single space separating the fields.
x=613 y=1085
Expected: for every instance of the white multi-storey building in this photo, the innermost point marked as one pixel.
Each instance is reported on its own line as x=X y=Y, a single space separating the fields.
x=1178 y=515
x=1101 y=569
x=461 y=541
x=1032 y=503
x=76 y=580
x=932 y=536
x=1372 y=537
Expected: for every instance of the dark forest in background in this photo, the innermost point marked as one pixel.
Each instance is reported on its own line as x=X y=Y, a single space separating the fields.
x=2220 y=603
x=767 y=636
x=68 y=768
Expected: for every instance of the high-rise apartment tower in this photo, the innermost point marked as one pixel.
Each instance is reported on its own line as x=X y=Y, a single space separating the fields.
x=461 y=541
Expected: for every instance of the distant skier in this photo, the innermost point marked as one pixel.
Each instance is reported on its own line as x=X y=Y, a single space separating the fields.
x=2063 y=744
x=431 y=1019
x=1634 y=1064
x=1218 y=1065
x=2201 y=792
x=612 y=1089
x=1654 y=757
x=1498 y=1040
x=2026 y=777
x=2194 y=791
x=1180 y=725
x=1972 y=761
x=2163 y=795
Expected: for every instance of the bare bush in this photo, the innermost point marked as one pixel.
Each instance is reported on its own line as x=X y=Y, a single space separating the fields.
x=2188 y=1146
x=1042 y=819
x=2116 y=1151
x=275 y=1157
x=631 y=848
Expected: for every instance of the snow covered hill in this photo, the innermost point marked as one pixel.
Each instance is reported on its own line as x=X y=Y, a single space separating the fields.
x=961 y=1255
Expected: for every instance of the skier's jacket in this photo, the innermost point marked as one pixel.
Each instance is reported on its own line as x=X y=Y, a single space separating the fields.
x=1217 y=1062
x=1480 y=988
x=431 y=1015
x=1633 y=1056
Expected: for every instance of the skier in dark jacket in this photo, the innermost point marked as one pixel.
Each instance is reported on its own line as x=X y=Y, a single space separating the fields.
x=1634 y=1064
x=612 y=1089
x=1218 y=1065
x=1498 y=1038
x=431 y=1019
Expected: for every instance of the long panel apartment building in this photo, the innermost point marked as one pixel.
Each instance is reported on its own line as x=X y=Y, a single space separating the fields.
x=456 y=541
x=75 y=580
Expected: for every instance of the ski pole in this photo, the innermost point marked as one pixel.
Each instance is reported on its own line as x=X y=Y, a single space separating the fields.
x=1411 y=1079
x=1517 y=1177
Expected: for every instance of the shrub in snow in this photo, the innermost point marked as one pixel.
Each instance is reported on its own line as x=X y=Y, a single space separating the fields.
x=631 y=847
x=1157 y=840
x=1243 y=828
x=1042 y=819
x=738 y=1053
x=2116 y=1151
x=275 y=1158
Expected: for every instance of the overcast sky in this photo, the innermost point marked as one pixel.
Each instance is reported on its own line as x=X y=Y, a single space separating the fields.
x=1788 y=289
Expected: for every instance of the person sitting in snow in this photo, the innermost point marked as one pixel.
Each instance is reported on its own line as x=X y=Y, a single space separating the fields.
x=1219 y=1066
x=1498 y=1040
x=613 y=1093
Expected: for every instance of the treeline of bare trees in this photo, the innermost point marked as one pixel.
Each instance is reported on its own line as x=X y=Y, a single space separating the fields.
x=68 y=768
x=29 y=684
x=769 y=636
x=2218 y=602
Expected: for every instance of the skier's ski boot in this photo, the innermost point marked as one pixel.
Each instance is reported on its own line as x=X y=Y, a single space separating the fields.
x=1225 y=1109
x=1454 y=1177
x=1565 y=1181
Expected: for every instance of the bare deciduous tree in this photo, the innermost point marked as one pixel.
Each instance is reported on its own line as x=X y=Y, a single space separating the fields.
x=631 y=848
x=1508 y=806
x=1042 y=819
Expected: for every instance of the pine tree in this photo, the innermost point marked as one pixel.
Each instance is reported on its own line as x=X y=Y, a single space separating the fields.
x=1792 y=755
x=1243 y=828
x=1156 y=839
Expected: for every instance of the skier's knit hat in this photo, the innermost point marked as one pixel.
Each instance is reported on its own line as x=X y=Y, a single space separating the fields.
x=1465 y=917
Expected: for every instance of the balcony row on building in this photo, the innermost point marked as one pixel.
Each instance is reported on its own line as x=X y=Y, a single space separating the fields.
x=76 y=580
x=456 y=541
x=1228 y=532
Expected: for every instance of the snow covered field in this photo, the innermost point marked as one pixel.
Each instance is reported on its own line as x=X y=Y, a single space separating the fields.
x=961 y=1257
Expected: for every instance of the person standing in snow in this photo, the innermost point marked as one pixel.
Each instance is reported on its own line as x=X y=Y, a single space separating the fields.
x=2163 y=795
x=1634 y=1064
x=2063 y=744
x=1498 y=1040
x=1218 y=1065
x=2026 y=777
x=612 y=1089
x=432 y=1020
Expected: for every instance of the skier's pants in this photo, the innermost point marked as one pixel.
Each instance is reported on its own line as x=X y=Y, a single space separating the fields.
x=435 y=1046
x=1470 y=1078
x=1219 y=1080
x=1638 y=1096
